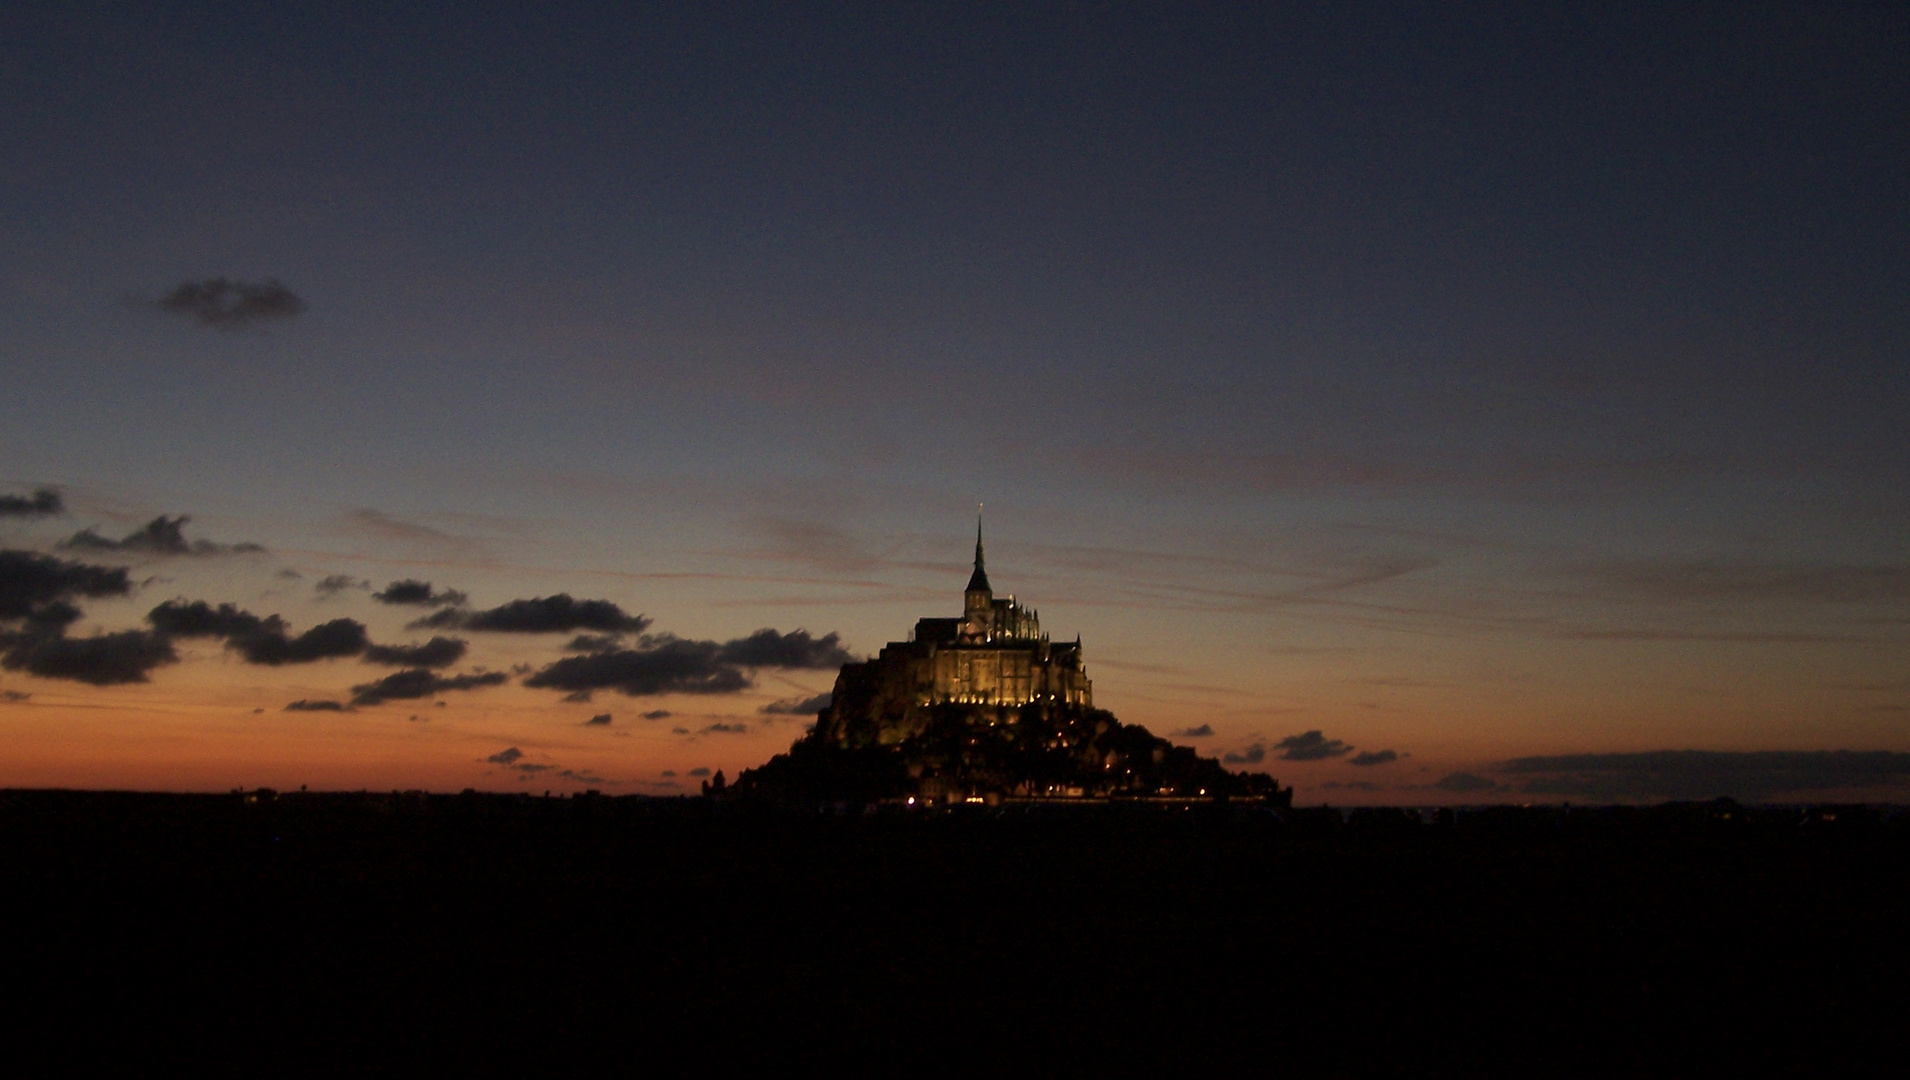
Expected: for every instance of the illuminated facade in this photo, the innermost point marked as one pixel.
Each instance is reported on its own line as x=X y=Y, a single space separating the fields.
x=993 y=654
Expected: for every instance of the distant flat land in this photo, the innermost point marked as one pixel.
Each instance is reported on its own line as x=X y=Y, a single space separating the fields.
x=354 y=933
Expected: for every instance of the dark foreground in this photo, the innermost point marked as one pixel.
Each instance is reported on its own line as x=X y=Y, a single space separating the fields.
x=370 y=934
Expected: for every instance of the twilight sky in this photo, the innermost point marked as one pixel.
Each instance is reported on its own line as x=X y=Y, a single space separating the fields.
x=1478 y=383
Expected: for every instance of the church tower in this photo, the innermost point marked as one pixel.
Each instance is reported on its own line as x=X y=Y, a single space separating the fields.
x=978 y=601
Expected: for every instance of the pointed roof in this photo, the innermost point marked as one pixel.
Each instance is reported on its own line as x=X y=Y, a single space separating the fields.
x=978 y=581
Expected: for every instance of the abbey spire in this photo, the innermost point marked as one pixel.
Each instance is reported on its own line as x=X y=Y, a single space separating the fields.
x=978 y=581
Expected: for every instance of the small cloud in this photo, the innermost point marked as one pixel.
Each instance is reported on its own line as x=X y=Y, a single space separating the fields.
x=1310 y=746
x=679 y=731
x=1464 y=783
x=15 y=696
x=1252 y=755
x=413 y=593
x=810 y=706
x=1350 y=785
x=41 y=503
x=1375 y=757
x=600 y=720
x=584 y=776
x=669 y=772
x=333 y=584
x=656 y=714
x=436 y=653
x=561 y=613
x=505 y=757
x=699 y=772
x=420 y=683
x=320 y=705
x=1201 y=732
x=161 y=536
x=224 y=304
x=725 y=729
x=593 y=642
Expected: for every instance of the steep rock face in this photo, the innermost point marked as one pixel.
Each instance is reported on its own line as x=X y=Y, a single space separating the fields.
x=957 y=752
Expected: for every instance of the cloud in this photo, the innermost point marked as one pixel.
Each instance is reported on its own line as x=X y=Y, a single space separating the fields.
x=305 y=705
x=505 y=757
x=1464 y=783
x=43 y=502
x=656 y=714
x=260 y=640
x=544 y=615
x=436 y=653
x=30 y=583
x=1201 y=732
x=1310 y=746
x=1375 y=757
x=700 y=771
x=671 y=665
x=796 y=649
x=418 y=594
x=101 y=660
x=584 y=776
x=14 y=695
x=602 y=719
x=333 y=584
x=161 y=536
x=1350 y=785
x=593 y=642
x=725 y=729
x=419 y=683
x=1704 y=774
x=1252 y=755
x=224 y=304
x=810 y=706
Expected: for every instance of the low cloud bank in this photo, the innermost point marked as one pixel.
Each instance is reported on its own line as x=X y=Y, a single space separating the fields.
x=1705 y=774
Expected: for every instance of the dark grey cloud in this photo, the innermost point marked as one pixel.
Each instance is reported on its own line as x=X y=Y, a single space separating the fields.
x=259 y=639
x=602 y=719
x=412 y=592
x=663 y=666
x=584 y=776
x=1200 y=732
x=420 y=683
x=333 y=584
x=1464 y=783
x=30 y=582
x=1310 y=746
x=809 y=706
x=796 y=649
x=43 y=502
x=544 y=615
x=656 y=714
x=1252 y=755
x=1705 y=774
x=224 y=304
x=14 y=695
x=505 y=757
x=101 y=660
x=36 y=608
x=725 y=729
x=1374 y=757
x=436 y=653
x=161 y=536
x=305 y=705
x=1350 y=785
x=700 y=771
x=593 y=642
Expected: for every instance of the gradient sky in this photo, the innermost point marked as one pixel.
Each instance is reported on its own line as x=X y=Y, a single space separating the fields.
x=1473 y=382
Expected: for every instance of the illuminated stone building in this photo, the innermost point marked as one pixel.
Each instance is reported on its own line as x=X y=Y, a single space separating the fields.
x=993 y=654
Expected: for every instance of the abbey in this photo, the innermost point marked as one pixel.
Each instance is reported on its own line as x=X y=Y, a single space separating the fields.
x=993 y=654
